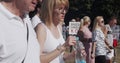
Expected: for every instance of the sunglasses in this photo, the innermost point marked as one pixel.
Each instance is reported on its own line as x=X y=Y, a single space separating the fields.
x=102 y=21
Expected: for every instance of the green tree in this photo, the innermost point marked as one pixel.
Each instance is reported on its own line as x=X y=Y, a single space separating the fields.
x=93 y=8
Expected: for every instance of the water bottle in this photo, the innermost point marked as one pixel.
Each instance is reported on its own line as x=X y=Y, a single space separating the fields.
x=79 y=57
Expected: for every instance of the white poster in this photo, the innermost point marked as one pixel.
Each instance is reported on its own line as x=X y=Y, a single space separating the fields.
x=73 y=27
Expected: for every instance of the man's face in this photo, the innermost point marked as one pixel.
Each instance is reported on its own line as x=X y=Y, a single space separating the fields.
x=113 y=22
x=32 y=4
x=26 y=5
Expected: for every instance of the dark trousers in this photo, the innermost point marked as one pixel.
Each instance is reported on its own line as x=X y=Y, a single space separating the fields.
x=100 y=59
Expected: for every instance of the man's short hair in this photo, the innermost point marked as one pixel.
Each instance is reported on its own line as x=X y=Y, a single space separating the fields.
x=112 y=18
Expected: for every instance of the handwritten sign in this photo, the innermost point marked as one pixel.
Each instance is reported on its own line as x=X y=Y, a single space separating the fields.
x=74 y=27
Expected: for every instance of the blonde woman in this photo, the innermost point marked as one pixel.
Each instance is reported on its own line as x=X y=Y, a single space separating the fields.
x=49 y=32
x=86 y=37
x=99 y=39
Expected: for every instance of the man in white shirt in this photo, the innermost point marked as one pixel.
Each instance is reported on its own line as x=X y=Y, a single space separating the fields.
x=115 y=36
x=18 y=43
x=115 y=28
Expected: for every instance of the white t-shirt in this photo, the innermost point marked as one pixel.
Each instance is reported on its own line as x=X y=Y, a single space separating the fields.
x=116 y=31
x=35 y=21
x=14 y=46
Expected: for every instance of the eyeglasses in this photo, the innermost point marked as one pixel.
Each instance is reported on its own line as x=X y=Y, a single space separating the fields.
x=62 y=10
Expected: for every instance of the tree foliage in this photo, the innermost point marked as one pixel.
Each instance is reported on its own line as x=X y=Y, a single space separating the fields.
x=93 y=8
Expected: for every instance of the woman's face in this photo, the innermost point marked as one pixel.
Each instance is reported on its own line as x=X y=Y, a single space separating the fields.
x=59 y=13
x=101 y=22
x=89 y=23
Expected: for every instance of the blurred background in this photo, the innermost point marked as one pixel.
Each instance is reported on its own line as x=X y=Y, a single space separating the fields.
x=93 y=8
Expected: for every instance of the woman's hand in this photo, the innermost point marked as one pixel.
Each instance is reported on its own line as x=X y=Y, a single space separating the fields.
x=92 y=55
x=83 y=53
x=71 y=41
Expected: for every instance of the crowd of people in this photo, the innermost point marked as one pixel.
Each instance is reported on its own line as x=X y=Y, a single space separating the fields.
x=31 y=31
x=100 y=40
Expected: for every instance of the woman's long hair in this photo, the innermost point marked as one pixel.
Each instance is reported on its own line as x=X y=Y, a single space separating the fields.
x=48 y=7
x=96 y=22
x=84 y=21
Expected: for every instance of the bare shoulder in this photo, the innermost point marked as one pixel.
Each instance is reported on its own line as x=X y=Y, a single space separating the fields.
x=40 y=30
x=40 y=27
x=41 y=33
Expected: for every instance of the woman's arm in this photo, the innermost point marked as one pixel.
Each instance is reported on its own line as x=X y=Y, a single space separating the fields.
x=106 y=42
x=107 y=45
x=95 y=36
x=93 y=50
